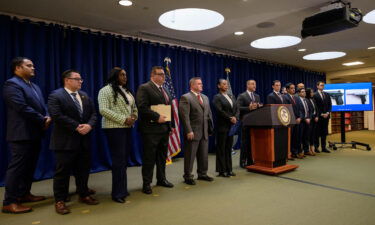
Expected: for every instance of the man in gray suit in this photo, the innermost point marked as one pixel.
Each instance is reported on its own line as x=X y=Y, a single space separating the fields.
x=196 y=117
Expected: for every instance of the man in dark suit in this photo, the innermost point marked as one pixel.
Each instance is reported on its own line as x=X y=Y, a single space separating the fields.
x=154 y=129
x=247 y=102
x=227 y=115
x=27 y=120
x=196 y=119
x=74 y=117
x=290 y=98
x=303 y=128
x=324 y=104
x=275 y=97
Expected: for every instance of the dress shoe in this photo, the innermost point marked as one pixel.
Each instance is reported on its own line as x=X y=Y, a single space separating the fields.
x=89 y=200
x=165 y=183
x=294 y=156
x=222 y=174
x=326 y=151
x=206 y=178
x=231 y=174
x=16 y=208
x=31 y=198
x=309 y=153
x=119 y=200
x=147 y=189
x=317 y=151
x=61 y=208
x=291 y=158
x=189 y=181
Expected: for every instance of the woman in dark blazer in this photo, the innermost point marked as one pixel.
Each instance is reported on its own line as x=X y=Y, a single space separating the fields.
x=227 y=114
x=119 y=111
x=313 y=127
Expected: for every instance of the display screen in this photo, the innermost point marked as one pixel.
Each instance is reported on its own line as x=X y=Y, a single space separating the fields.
x=350 y=96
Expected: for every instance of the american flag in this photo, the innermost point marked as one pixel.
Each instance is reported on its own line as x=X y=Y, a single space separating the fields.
x=174 y=144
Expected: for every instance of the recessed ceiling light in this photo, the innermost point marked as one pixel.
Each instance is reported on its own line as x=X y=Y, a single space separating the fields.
x=191 y=19
x=275 y=42
x=302 y=50
x=353 y=63
x=373 y=47
x=324 y=55
x=238 y=33
x=125 y=2
x=370 y=17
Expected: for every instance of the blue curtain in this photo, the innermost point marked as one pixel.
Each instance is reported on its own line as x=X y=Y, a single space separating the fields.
x=54 y=48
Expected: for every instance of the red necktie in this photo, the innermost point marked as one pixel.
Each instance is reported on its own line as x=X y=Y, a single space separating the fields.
x=165 y=95
x=200 y=99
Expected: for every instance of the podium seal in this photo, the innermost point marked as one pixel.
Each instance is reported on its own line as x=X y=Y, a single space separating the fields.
x=283 y=115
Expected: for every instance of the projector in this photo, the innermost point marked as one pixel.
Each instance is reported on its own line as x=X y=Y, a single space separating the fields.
x=335 y=17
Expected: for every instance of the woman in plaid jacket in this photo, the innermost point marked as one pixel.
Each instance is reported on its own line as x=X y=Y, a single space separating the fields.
x=119 y=111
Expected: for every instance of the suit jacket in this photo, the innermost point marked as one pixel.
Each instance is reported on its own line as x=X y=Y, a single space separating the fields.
x=66 y=118
x=313 y=107
x=324 y=105
x=291 y=99
x=224 y=111
x=195 y=117
x=301 y=110
x=243 y=102
x=25 y=110
x=148 y=94
x=272 y=98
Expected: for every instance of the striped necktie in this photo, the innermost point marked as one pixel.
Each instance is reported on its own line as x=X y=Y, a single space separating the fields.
x=76 y=102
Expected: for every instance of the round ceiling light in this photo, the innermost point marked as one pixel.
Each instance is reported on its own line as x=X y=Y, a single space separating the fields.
x=324 y=55
x=370 y=17
x=275 y=42
x=125 y=2
x=238 y=33
x=191 y=19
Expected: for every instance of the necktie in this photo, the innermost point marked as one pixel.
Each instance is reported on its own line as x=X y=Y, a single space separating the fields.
x=281 y=98
x=34 y=91
x=164 y=94
x=252 y=97
x=304 y=106
x=76 y=102
x=200 y=99
x=294 y=102
x=312 y=102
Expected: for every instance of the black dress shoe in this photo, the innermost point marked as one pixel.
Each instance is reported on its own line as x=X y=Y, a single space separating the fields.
x=119 y=200
x=231 y=174
x=206 y=178
x=222 y=174
x=147 y=189
x=316 y=150
x=165 y=183
x=326 y=151
x=189 y=181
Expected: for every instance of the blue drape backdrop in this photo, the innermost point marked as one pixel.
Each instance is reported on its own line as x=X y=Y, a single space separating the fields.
x=54 y=48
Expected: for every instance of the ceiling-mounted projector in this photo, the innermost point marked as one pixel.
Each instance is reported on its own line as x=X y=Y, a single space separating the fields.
x=335 y=17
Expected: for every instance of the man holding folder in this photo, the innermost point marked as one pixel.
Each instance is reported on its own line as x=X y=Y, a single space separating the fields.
x=154 y=124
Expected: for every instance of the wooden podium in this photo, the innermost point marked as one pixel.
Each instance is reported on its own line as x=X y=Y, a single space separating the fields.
x=270 y=138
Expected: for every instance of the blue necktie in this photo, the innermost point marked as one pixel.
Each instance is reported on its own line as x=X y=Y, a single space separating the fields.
x=76 y=102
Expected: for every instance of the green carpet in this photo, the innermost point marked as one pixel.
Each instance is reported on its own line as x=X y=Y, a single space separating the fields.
x=328 y=189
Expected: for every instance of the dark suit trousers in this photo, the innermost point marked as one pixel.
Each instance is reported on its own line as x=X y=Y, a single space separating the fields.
x=155 y=151
x=303 y=139
x=68 y=161
x=295 y=140
x=118 y=139
x=322 y=132
x=194 y=149
x=313 y=128
x=246 y=157
x=224 y=152
x=21 y=168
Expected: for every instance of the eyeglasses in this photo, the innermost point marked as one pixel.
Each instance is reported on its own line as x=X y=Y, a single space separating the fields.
x=76 y=79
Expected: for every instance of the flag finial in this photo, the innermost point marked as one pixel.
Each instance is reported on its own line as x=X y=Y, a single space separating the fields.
x=227 y=70
x=167 y=60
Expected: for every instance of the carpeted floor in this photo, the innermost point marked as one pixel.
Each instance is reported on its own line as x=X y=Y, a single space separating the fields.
x=328 y=189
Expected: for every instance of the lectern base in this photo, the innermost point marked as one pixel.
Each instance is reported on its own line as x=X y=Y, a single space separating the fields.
x=271 y=171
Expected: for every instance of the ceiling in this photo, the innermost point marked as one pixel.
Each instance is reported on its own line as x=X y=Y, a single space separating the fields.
x=141 y=20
